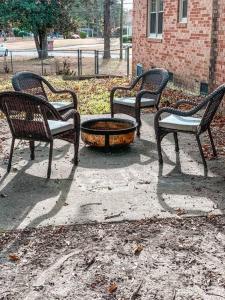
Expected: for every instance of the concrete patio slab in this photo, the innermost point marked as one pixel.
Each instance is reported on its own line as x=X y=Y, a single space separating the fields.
x=124 y=185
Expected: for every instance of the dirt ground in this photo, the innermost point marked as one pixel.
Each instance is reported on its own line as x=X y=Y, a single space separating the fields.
x=64 y=65
x=157 y=259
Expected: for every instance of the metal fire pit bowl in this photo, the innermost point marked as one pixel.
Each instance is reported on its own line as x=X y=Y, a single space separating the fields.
x=108 y=132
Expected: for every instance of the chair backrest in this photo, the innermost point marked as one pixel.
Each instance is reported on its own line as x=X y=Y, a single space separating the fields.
x=29 y=83
x=27 y=115
x=154 y=80
x=213 y=101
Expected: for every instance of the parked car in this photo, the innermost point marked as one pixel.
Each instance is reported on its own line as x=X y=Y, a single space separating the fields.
x=75 y=36
x=3 y=50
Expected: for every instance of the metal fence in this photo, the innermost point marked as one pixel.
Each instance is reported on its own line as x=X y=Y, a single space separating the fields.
x=77 y=63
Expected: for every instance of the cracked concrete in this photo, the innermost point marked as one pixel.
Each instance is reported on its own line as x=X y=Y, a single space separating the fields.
x=125 y=185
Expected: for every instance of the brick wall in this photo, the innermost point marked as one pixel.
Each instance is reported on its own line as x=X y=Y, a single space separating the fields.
x=220 y=60
x=219 y=53
x=185 y=48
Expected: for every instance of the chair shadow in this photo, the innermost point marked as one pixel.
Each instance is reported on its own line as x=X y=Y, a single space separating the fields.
x=24 y=191
x=177 y=183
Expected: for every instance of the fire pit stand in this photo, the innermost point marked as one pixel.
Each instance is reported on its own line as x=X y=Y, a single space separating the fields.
x=108 y=132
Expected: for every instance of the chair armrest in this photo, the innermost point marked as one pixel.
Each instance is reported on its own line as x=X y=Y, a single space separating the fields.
x=141 y=94
x=72 y=113
x=69 y=114
x=65 y=91
x=171 y=111
x=51 y=109
x=183 y=113
x=185 y=101
x=123 y=88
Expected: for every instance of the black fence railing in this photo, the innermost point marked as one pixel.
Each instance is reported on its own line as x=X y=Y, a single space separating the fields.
x=79 y=62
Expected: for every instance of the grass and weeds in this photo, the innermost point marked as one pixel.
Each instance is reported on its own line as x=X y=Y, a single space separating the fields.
x=93 y=94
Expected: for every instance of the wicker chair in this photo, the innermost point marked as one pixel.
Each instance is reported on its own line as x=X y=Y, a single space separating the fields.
x=186 y=122
x=151 y=85
x=34 y=84
x=27 y=119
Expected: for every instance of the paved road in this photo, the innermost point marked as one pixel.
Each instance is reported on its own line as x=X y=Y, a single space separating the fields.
x=71 y=51
x=63 y=53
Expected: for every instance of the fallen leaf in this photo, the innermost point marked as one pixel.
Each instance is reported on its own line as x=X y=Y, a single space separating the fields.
x=180 y=211
x=14 y=257
x=138 y=249
x=211 y=216
x=112 y=288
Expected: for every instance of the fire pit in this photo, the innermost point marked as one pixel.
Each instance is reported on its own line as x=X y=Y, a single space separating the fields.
x=108 y=132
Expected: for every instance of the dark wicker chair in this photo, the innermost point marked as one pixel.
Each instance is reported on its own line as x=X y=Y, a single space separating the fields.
x=186 y=122
x=151 y=85
x=34 y=84
x=27 y=119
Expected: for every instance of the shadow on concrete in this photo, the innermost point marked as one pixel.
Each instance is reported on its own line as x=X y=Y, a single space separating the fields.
x=120 y=157
x=20 y=195
x=177 y=183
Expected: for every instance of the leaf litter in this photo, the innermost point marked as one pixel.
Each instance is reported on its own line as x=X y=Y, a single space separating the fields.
x=185 y=255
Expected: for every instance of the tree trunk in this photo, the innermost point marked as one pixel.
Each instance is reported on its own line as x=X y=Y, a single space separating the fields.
x=121 y=30
x=107 y=29
x=41 y=43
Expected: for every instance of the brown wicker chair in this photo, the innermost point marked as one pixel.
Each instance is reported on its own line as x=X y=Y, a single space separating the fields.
x=186 y=122
x=34 y=84
x=151 y=85
x=27 y=119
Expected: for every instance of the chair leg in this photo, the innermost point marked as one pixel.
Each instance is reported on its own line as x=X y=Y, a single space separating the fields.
x=50 y=159
x=138 y=129
x=32 y=146
x=11 y=155
x=201 y=151
x=159 y=148
x=76 y=147
x=112 y=111
x=212 y=142
x=176 y=142
x=138 y=120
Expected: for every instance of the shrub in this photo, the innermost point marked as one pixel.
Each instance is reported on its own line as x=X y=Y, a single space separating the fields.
x=23 y=33
x=83 y=35
x=16 y=32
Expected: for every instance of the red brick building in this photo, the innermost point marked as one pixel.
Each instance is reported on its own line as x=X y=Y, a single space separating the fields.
x=187 y=37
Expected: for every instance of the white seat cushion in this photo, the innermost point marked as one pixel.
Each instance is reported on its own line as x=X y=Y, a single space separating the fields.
x=62 y=105
x=180 y=123
x=130 y=101
x=57 y=127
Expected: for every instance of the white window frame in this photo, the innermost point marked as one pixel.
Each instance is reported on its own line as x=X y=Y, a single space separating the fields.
x=155 y=35
x=182 y=19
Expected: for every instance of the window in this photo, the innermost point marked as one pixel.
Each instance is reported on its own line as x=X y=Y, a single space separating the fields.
x=155 y=18
x=183 y=11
